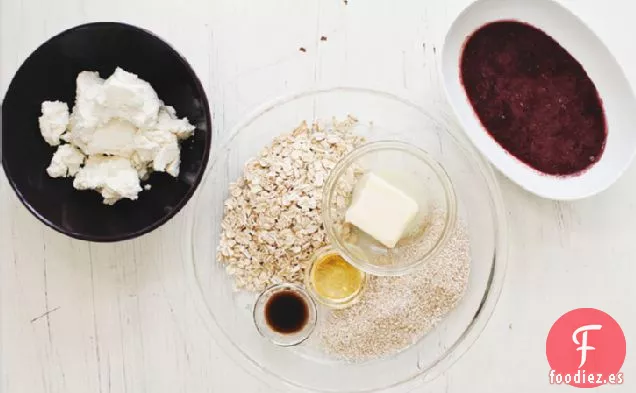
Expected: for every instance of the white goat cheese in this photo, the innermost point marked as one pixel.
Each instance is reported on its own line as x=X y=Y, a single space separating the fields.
x=125 y=96
x=114 y=177
x=53 y=122
x=158 y=147
x=122 y=126
x=66 y=161
x=115 y=138
x=167 y=121
x=87 y=113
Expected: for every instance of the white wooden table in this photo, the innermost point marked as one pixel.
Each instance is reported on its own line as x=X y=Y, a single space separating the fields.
x=82 y=318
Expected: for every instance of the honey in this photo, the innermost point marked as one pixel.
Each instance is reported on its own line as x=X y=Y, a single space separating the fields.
x=334 y=281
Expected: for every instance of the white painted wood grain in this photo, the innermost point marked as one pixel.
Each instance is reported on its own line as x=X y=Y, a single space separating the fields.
x=84 y=318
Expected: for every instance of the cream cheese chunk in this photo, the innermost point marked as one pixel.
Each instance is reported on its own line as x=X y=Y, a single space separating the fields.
x=381 y=210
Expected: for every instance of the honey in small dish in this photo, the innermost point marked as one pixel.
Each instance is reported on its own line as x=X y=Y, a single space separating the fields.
x=333 y=281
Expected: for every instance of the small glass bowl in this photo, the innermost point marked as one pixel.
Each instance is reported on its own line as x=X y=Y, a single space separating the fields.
x=284 y=339
x=414 y=172
x=331 y=303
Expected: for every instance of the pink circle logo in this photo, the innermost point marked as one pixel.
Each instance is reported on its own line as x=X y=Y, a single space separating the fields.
x=586 y=348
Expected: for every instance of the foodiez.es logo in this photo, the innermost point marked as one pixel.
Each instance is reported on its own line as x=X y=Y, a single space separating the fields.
x=586 y=348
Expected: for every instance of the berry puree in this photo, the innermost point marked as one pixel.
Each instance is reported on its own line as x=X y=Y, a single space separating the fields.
x=534 y=98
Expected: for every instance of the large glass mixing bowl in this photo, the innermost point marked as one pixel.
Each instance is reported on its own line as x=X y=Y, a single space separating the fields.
x=228 y=314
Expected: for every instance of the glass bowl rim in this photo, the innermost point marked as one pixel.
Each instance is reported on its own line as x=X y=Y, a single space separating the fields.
x=425 y=158
x=454 y=352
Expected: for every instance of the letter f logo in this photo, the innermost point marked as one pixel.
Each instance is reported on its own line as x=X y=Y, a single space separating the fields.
x=583 y=344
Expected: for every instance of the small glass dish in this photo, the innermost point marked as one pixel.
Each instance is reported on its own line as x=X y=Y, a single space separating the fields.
x=411 y=170
x=333 y=302
x=264 y=326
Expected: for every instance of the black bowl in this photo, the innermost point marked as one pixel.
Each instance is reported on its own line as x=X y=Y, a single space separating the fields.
x=49 y=74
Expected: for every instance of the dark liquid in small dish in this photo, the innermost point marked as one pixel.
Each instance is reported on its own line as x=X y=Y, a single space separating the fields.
x=534 y=98
x=286 y=312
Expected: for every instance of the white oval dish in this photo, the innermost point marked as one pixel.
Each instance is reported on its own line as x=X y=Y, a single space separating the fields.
x=581 y=42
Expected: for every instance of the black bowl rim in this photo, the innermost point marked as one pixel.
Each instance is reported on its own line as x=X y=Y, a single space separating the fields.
x=182 y=202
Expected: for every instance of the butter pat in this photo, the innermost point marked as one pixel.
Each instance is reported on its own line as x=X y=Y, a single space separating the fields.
x=381 y=210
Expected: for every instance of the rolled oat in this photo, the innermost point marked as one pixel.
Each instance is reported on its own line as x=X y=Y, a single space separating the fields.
x=272 y=221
